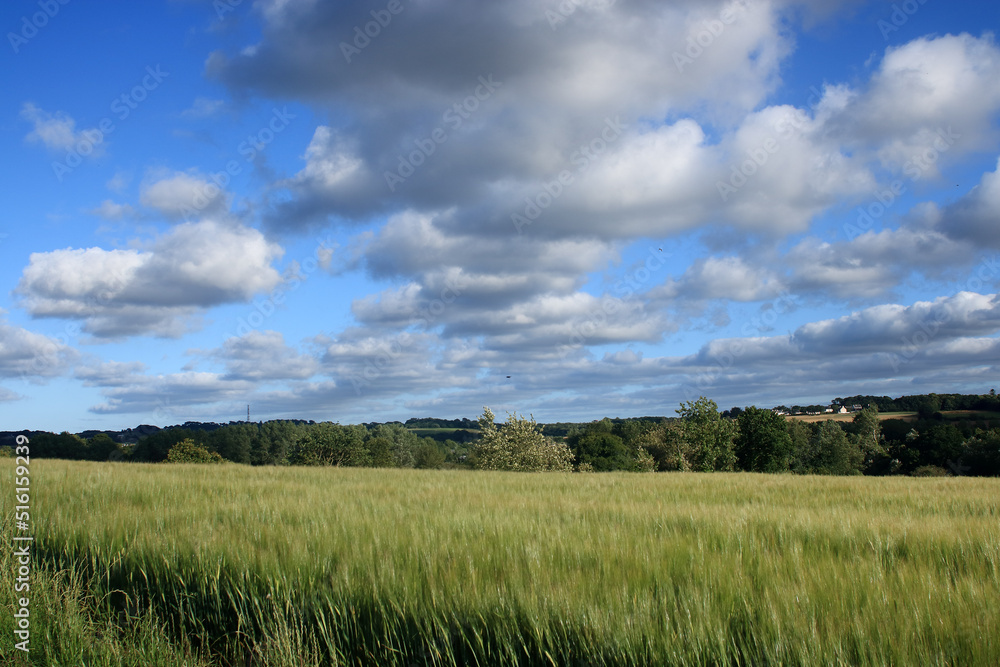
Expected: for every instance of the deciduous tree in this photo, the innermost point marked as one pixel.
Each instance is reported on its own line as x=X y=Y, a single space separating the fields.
x=708 y=438
x=762 y=444
x=835 y=454
x=518 y=445
x=328 y=444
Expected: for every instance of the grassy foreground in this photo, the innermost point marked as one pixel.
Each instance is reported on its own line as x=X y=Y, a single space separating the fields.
x=303 y=566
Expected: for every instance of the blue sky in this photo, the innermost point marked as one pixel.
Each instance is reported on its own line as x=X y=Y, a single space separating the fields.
x=579 y=209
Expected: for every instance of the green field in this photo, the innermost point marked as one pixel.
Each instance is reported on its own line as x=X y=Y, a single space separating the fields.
x=293 y=566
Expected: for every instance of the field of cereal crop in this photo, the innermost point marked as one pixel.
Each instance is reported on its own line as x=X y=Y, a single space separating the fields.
x=290 y=566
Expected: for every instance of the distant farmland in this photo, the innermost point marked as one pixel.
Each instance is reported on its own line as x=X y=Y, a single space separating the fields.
x=314 y=566
x=905 y=416
x=948 y=415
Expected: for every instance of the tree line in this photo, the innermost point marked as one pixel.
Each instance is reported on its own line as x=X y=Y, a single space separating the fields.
x=267 y=443
x=699 y=439
x=760 y=440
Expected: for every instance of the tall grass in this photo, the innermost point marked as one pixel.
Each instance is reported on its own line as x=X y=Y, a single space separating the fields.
x=297 y=566
x=70 y=627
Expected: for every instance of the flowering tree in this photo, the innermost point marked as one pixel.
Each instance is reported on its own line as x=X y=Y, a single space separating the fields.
x=519 y=445
x=188 y=451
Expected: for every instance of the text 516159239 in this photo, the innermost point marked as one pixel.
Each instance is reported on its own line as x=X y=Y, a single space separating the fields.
x=22 y=542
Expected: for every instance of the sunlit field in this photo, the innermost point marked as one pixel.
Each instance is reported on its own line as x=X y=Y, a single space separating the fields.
x=848 y=417
x=304 y=566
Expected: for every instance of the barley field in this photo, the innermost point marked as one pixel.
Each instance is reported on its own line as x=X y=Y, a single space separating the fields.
x=202 y=564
